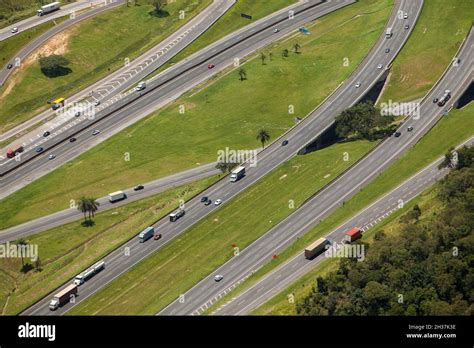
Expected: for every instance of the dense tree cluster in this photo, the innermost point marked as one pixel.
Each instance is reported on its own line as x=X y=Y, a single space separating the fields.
x=54 y=65
x=365 y=121
x=426 y=269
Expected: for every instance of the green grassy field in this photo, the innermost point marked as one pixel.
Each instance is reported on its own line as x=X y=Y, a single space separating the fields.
x=430 y=48
x=157 y=280
x=66 y=250
x=95 y=47
x=230 y=22
x=196 y=136
x=449 y=132
x=15 y=10
x=10 y=46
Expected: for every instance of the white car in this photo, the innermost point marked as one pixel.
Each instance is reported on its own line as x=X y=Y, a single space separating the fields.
x=96 y=132
x=218 y=278
x=405 y=15
x=50 y=157
x=380 y=66
x=276 y=30
x=358 y=84
x=14 y=30
x=218 y=201
x=97 y=103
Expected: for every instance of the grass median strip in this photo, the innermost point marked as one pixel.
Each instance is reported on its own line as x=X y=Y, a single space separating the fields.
x=431 y=46
x=228 y=113
x=449 y=132
x=66 y=250
x=94 y=47
x=160 y=278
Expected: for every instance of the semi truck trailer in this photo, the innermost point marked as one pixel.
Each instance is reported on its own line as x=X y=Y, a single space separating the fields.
x=352 y=234
x=146 y=234
x=63 y=297
x=237 y=174
x=89 y=273
x=315 y=248
x=12 y=153
x=48 y=8
x=116 y=196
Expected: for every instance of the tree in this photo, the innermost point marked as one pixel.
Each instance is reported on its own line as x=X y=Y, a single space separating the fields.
x=159 y=6
x=242 y=74
x=54 y=65
x=225 y=166
x=88 y=206
x=263 y=136
x=83 y=206
x=297 y=47
x=93 y=207
x=285 y=53
x=38 y=265
x=270 y=55
x=263 y=57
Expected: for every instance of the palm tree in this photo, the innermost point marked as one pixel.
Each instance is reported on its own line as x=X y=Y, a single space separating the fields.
x=263 y=136
x=296 y=47
x=242 y=74
x=22 y=243
x=83 y=206
x=93 y=206
x=263 y=57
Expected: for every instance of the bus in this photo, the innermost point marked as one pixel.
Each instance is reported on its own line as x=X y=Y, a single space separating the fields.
x=56 y=104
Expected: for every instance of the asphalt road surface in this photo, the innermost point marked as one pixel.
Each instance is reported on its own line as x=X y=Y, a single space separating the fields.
x=277 y=239
x=34 y=21
x=287 y=273
x=133 y=252
x=160 y=90
x=72 y=214
x=40 y=40
x=124 y=78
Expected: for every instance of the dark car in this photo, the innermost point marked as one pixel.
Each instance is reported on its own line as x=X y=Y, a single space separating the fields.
x=45 y=134
x=157 y=236
x=387 y=50
x=78 y=114
x=397 y=134
x=208 y=202
x=284 y=143
x=204 y=199
x=39 y=149
x=211 y=66
x=71 y=140
x=9 y=66
x=138 y=187
x=435 y=100
x=410 y=128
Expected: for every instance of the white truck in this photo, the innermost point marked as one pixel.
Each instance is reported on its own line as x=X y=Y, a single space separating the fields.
x=89 y=273
x=237 y=174
x=146 y=234
x=176 y=215
x=63 y=297
x=389 y=33
x=48 y=8
x=117 y=196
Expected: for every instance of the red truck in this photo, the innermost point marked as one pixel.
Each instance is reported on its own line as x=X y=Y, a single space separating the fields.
x=12 y=153
x=352 y=234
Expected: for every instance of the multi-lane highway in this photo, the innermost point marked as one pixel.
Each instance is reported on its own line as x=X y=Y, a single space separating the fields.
x=72 y=214
x=40 y=40
x=285 y=274
x=457 y=78
x=123 y=78
x=160 y=90
x=117 y=262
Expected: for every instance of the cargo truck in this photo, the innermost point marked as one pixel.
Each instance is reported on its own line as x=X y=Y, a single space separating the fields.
x=237 y=173
x=388 y=33
x=63 y=297
x=86 y=275
x=352 y=234
x=12 y=153
x=116 y=196
x=48 y=8
x=146 y=234
x=176 y=215
x=56 y=104
x=315 y=248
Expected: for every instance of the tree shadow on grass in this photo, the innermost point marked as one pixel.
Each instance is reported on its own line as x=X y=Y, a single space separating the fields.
x=159 y=14
x=88 y=223
x=59 y=71
x=26 y=268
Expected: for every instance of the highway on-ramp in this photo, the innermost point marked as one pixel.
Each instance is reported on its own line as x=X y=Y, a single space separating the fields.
x=197 y=299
